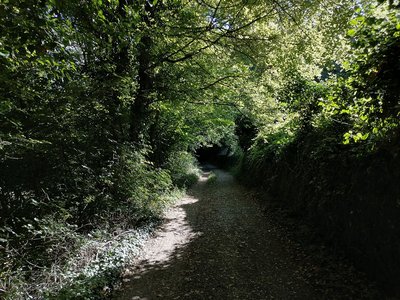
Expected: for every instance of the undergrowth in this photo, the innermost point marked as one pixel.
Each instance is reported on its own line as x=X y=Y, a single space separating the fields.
x=183 y=168
x=212 y=178
x=56 y=256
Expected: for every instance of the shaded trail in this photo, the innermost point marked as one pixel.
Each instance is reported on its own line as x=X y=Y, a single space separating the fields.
x=217 y=244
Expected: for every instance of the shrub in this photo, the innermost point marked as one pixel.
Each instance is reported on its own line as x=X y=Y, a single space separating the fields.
x=183 y=168
x=212 y=179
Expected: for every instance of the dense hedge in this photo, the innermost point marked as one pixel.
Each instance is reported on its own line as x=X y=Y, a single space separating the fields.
x=352 y=200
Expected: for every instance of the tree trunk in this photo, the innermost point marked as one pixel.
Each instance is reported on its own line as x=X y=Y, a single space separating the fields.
x=140 y=107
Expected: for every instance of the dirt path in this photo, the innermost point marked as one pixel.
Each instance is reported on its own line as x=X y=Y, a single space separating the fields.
x=217 y=244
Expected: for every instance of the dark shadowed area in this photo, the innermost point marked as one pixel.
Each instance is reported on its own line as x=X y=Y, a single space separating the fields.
x=218 y=244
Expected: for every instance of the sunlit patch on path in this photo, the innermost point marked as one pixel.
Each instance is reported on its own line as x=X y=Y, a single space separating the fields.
x=174 y=234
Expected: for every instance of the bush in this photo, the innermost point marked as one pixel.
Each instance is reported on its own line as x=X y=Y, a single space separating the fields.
x=183 y=168
x=212 y=179
x=123 y=193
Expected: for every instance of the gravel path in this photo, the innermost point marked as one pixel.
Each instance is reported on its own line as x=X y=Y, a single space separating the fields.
x=217 y=244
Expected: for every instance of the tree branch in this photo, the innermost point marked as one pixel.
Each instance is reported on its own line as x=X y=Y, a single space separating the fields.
x=218 y=81
x=227 y=33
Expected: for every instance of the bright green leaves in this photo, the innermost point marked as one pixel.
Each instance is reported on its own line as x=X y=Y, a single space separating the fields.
x=357 y=21
x=351 y=32
x=354 y=23
x=364 y=97
x=351 y=137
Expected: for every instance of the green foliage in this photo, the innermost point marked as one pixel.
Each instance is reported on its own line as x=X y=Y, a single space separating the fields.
x=101 y=100
x=302 y=96
x=83 y=266
x=183 y=168
x=367 y=97
x=212 y=178
x=143 y=187
x=96 y=264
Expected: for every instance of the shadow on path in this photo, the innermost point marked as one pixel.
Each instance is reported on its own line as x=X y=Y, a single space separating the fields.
x=216 y=244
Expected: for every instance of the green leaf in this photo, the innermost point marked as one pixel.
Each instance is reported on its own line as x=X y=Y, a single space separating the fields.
x=4 y=53
x=101 y=14
x=365 y=136
x=351 y=32
x=353 y=22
